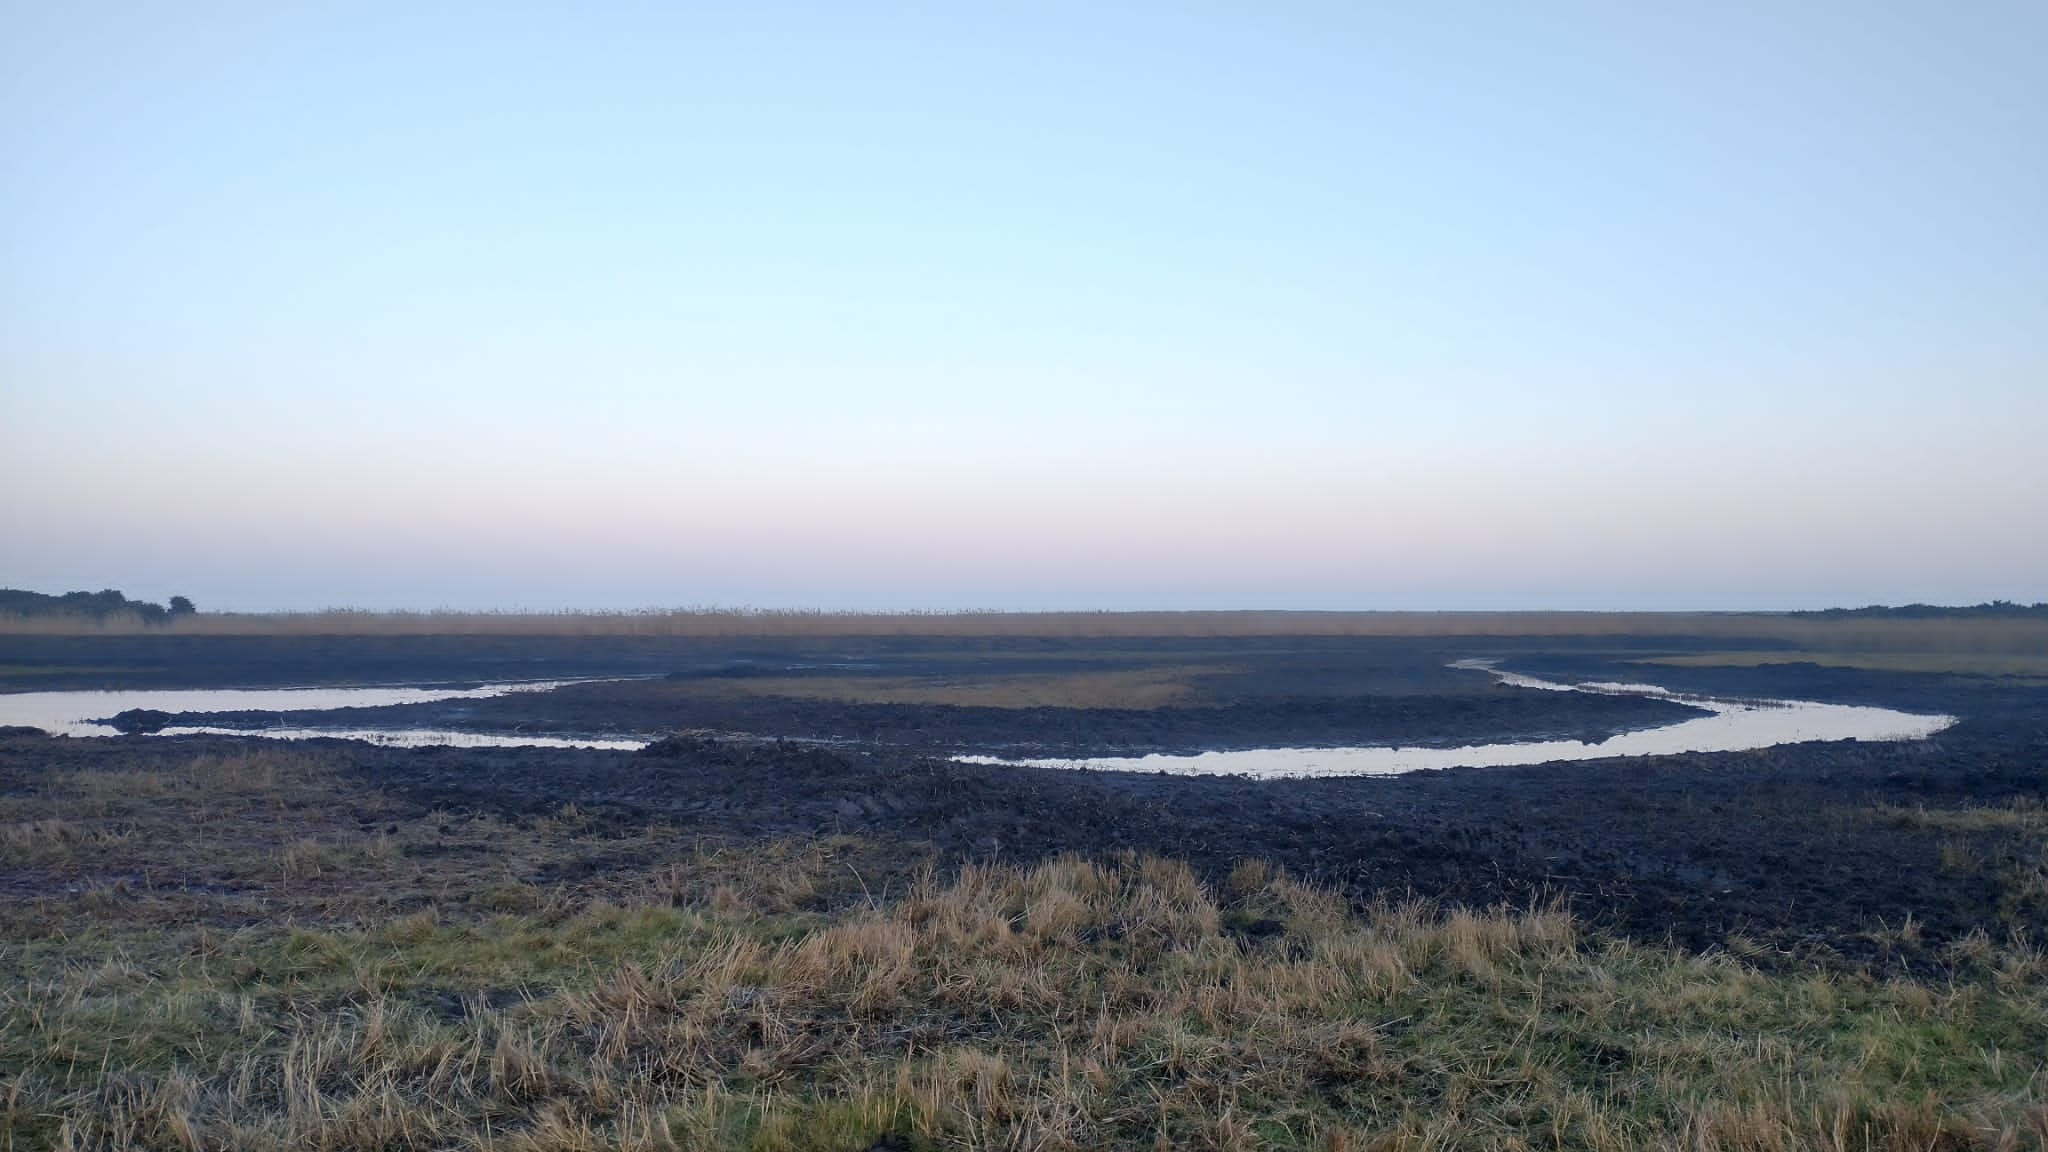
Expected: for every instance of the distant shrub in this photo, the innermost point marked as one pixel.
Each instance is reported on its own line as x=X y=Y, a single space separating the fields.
x=93 y=605
x=1993 y=609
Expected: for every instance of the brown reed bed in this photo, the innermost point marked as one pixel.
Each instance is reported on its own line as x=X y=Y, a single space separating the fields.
x=1973 y=645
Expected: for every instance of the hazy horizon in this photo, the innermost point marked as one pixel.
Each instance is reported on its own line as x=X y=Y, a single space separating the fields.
x=1150 y=307
x=1072 y=610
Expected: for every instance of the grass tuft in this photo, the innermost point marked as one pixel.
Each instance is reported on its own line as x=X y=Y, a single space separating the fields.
x=307 y=965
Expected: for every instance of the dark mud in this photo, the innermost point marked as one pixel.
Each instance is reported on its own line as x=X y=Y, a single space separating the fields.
x=653 y=708
x=1787 y=847
x=1274 y=667
x=1243 y=693
x=1801 y=849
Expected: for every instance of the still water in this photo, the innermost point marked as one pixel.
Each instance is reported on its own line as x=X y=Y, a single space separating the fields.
x=81 y=713
x=419 y=737
x=1729 y=726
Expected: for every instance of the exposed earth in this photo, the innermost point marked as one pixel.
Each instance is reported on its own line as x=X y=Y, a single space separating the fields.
x=1836 y=852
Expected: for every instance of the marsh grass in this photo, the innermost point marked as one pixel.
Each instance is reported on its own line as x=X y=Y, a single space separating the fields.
x=2025 y=814
x=1069 y=1005
x=278 y=832
x=374 y=977
x=2003 y=848
x=1908 y=642
x=1967 y=655
x=1136 y=688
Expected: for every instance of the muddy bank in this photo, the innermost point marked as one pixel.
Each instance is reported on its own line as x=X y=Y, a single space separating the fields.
x=1800 y=849
x=653 y=708
x=1811 y=850
x=1786 y=847
x=1248 y=667
x=1211 y=694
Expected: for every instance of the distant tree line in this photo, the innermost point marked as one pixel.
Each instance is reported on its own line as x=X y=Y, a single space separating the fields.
x=99 y=605
x=1996 y=609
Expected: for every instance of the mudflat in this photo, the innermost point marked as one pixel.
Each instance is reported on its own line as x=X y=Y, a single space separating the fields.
x=1816 y=849
x=795 y=922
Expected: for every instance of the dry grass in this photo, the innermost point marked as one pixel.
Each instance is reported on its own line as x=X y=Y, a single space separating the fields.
x=2022 y=814
x=1977 y=646
x=748 y=623
x=2001 y=849
x=1145 y=688
x=1962 y=660
x=1071 y=1005
x=280 y=832
x=2024 y=637
x=298 y=962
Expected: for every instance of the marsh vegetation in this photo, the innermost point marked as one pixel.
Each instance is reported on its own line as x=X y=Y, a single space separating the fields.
x=251 y=949
x=796 y=925
x=1956 y=640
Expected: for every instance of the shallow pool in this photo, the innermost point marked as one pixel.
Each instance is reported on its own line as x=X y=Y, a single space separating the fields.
x=1730 y=726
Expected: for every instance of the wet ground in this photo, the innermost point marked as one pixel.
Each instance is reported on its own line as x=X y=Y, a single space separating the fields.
x=1809 y=851
x=1106 y=698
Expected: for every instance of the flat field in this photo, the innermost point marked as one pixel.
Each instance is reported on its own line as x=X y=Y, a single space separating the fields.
x=796 y=925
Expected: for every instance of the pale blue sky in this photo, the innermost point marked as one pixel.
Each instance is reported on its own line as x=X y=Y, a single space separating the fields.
x=1126 y=306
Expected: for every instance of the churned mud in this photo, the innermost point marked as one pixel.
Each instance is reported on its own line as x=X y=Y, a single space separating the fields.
x=1847 y=852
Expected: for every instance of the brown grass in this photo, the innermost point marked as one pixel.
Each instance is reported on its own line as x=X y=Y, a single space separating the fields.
x=2022 y=814
x=1961 y=660
x=263 y=954
x=2021 y=635
x=1989 y=646
x=1999 y=849
x=958 y=1016
x=1142 y=689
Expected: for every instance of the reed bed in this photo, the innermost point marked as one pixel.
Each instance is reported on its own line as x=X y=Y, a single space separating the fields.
x=2024 y=636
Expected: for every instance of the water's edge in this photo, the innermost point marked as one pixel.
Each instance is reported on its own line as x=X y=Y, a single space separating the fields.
x=85 y=713
x=1731 y=725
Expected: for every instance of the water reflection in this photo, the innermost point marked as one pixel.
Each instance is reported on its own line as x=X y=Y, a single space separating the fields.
x=1730 y=726
x=418 y=737
x=82 y=713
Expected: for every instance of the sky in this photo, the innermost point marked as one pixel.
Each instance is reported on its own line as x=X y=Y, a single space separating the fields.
x=1046 y=306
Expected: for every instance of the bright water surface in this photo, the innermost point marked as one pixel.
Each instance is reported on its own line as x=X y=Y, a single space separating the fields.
x=79 y=713
x=419 y=737
x=1730 y=726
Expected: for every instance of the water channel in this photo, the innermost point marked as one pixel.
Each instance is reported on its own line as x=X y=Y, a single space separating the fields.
x=1729 y=725
x=86 y=713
